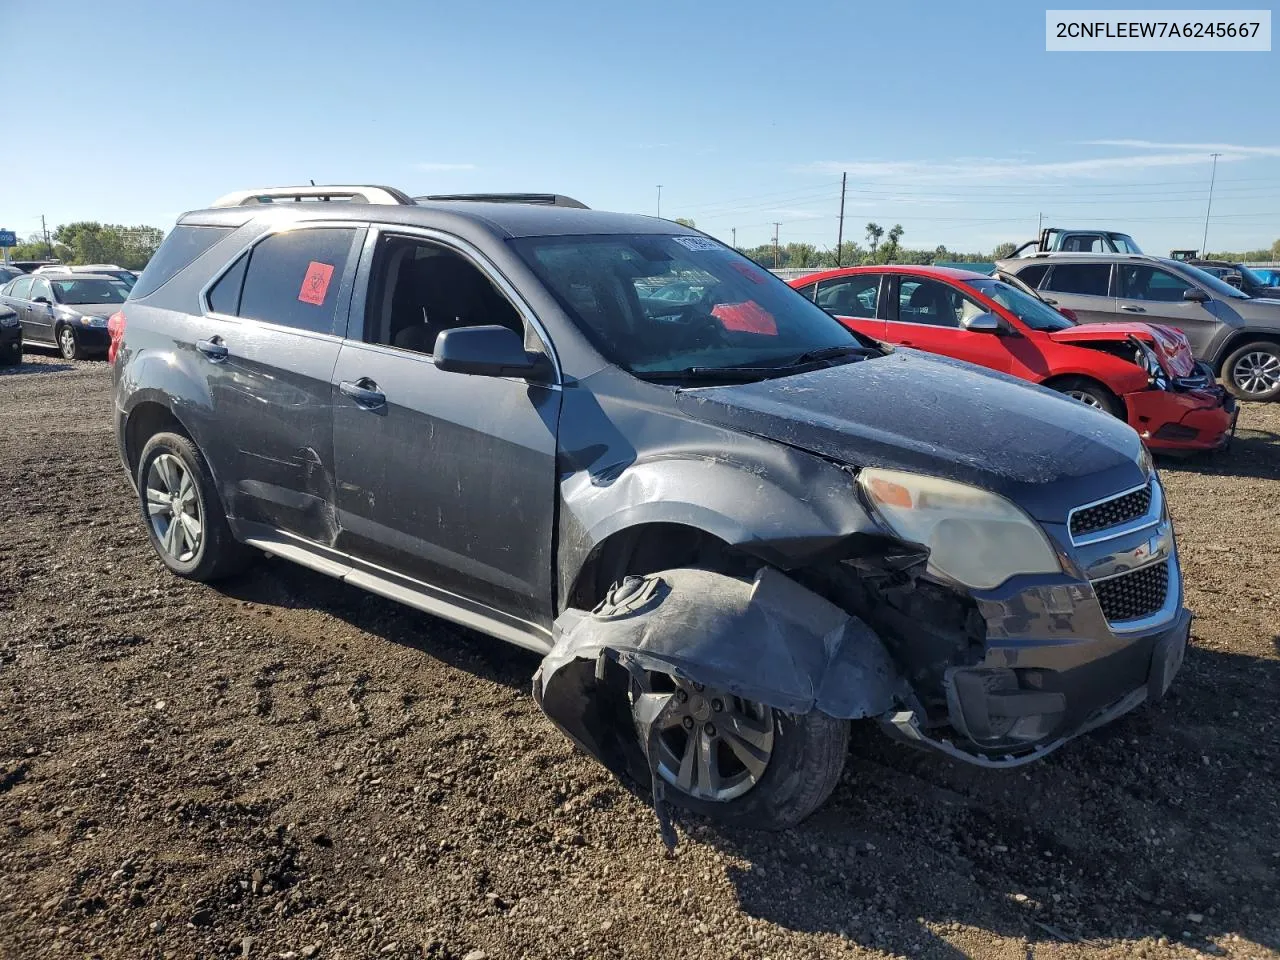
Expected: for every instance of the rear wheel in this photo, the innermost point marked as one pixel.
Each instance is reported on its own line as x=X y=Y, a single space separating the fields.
x=183 y=515
x=1252 y=372
x=69 y=343
x=1091 y=394
x=741 y=762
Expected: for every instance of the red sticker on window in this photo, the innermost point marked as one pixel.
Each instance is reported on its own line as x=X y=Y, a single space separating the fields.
x=753 y=275
x=747 y=317
x=316 y=283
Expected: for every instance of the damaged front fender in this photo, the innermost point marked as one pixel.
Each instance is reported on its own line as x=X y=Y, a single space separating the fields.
x=768 y=640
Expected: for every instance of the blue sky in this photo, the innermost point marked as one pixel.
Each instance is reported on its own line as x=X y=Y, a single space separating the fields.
x=950 y=119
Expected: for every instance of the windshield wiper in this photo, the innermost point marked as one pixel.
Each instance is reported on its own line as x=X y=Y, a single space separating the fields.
x=828 y=353
x=720 y=374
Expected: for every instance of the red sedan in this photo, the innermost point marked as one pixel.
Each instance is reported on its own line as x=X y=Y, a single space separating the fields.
x=1142 y=373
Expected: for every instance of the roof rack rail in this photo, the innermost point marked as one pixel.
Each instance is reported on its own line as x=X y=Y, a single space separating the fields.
x=348 y=193
x=547 y=199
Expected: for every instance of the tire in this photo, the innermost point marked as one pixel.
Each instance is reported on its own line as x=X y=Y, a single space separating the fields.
x=805 y=760
x=69 y=343
x=1091 y=393
x=1252 y=372
x=170 y=466
x=11 y=355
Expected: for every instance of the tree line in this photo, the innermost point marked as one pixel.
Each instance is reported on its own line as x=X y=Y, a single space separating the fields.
x=1271 y=254
x=881 y=246
x=88 y=241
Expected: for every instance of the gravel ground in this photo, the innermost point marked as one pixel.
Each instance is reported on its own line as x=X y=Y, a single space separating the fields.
x=288 y=767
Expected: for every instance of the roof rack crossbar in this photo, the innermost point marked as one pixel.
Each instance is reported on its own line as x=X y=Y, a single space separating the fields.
x=547 y=199
x=350 y=193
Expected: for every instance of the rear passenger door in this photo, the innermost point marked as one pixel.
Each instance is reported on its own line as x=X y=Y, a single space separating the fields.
x=1084 y=288
x=271 y=333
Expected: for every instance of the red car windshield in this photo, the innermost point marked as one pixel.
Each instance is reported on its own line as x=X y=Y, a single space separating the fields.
x=1036 y=314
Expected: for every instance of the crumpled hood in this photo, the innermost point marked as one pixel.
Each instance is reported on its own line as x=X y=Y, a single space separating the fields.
x=933 y=415
x=1171 y=345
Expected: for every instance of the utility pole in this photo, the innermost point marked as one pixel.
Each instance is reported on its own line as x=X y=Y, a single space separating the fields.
x=840 y=231
x=1204 y=242
x=775 y=244
x=1039 y=224
x=735 y=237
x=45 y=231
x=659 y=200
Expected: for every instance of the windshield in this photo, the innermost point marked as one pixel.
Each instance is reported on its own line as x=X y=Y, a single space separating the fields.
x=665 y=304
x=1035 y=313
x=1253 y=276
x=90 y=290
x=1206 y=279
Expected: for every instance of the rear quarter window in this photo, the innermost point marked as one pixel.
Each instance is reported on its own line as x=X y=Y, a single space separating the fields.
x=178 y=250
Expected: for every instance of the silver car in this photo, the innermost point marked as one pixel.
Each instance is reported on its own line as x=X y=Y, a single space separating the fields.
x=1237 y=335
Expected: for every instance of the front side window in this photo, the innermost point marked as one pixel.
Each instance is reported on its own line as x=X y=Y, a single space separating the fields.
x=1035 y=313
x=1147 y=283
x=419 y=289
x=21 y=288
x=853 y=296
x=40 y=288
x=741 y=316
x=292 y=278
x=1220 y=288
x=91 y=290
x=929 y=302
x=1084 y=279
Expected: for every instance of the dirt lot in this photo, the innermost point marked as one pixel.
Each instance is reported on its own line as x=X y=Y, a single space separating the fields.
x=288 y=767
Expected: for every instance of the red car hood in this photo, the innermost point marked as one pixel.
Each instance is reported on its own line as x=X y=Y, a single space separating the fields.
x=1171 y=346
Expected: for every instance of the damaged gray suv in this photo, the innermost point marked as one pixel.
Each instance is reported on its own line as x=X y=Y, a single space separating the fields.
x=729 y=525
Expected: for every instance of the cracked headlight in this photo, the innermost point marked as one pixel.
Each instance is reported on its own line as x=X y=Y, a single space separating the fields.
x=974 y=537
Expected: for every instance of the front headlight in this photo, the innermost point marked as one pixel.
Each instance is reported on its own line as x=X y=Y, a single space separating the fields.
x=89 y=321
x=974 y=537
x=8 y=319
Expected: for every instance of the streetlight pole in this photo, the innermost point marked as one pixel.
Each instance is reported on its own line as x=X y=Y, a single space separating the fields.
x=1204 y=242
x=659 y=200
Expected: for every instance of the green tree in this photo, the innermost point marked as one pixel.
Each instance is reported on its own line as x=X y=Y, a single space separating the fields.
x=874 y=233
x=88 y=241
x=686 y=222
x=1003 y=251
x=802 y=255
x=889 y=252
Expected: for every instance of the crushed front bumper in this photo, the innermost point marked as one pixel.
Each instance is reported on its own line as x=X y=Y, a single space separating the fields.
x=1067 y=703
x=1190 y=421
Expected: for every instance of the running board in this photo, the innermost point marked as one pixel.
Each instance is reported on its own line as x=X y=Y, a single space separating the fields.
x=465 y=616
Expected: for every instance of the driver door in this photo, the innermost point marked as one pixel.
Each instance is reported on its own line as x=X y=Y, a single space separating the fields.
x=37 y=323
x=1153 y=295
x=928 y=314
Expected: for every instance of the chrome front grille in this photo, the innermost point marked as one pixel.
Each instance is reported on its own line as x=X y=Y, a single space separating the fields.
x=1114 y=512
x=1134 y=595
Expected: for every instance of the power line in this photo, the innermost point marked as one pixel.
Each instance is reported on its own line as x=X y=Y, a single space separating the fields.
x=1204 y=243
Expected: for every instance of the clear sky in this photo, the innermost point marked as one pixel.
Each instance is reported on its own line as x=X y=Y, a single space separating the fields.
x=950 y=118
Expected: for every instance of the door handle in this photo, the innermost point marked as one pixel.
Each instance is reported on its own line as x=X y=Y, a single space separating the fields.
x=213 y=348
x=364 y=392
x=1128 y=309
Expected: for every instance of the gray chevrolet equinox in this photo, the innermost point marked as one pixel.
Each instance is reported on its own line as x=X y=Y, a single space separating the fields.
x=729 y=525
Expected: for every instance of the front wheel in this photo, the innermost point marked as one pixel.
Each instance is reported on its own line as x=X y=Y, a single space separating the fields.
x=740 y=762
x=1091 y=394
x=1252 y=372
x=69 y=344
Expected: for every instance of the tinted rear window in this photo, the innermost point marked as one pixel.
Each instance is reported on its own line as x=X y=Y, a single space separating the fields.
x=179 y=249
x=1086 y=279
x=293 y=278
x=1032 y=276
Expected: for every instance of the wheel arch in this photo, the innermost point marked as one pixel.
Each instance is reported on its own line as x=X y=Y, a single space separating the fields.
x=1057 y=379
x=1238 y=340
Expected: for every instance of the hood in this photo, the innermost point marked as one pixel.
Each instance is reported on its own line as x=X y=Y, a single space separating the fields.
x=1171 y=345
x=933 y=415
x=91 y=309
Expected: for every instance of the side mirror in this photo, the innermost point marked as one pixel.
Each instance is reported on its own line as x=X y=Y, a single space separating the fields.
x=1195 y=295
x=44 y=300
x=983 y=323
x=485 y=352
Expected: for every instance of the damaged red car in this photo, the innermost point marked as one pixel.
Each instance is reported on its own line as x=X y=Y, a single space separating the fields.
x=1144 y=374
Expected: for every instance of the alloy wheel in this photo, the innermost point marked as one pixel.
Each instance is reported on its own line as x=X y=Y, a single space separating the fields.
x=1257 y=372
x=1085 y=397
x=173 y=508
x=711 y=745
x=67 y=342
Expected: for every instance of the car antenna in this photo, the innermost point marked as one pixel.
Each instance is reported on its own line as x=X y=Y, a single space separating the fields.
x=313 y=181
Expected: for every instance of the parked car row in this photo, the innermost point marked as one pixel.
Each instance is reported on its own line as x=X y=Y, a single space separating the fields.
x=66 y=308
x=731 y=524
